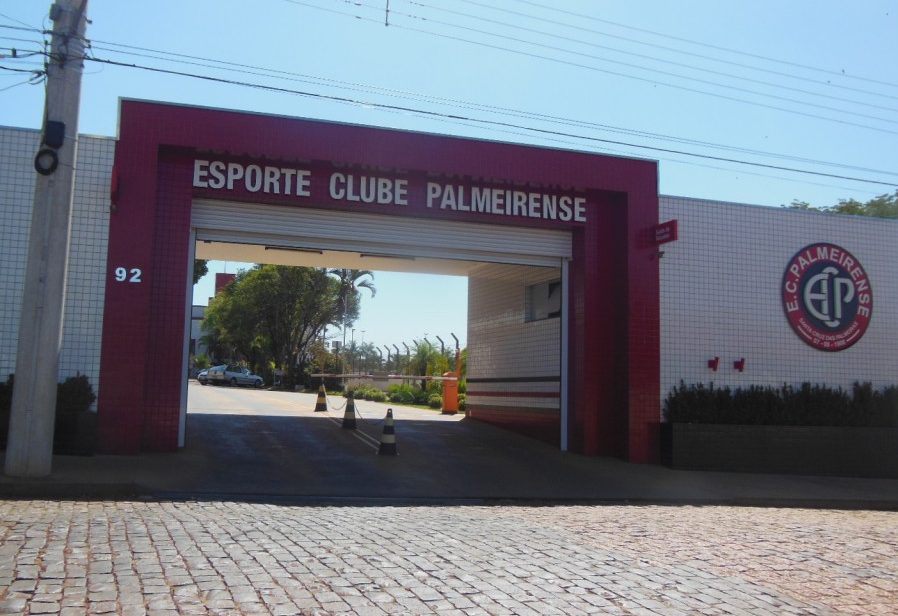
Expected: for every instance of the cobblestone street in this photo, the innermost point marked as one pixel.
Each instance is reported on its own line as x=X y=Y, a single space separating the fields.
x=158 y=558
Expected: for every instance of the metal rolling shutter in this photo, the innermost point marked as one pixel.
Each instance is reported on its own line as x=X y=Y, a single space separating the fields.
x=225 y=221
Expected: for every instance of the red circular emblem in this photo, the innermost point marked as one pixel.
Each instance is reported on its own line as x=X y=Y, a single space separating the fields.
x=827 y=297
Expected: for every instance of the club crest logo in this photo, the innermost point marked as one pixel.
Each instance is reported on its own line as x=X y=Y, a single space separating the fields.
x=827 y=297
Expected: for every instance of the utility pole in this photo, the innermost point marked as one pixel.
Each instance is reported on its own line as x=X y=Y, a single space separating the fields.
x=30 y=444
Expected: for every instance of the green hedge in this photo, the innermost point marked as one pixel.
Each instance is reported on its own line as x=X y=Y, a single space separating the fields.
x=806 y=405
x=74 y=427
x=74 y=395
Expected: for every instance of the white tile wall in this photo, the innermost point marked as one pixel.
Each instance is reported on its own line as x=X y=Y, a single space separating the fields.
x=720 y=296
x=87 y=254
x=500 y=343
x=17 y=147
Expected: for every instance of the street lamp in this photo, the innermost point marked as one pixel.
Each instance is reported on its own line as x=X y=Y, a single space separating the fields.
x=352 y=351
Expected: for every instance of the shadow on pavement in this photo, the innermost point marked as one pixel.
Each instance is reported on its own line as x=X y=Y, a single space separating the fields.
x=306 y=459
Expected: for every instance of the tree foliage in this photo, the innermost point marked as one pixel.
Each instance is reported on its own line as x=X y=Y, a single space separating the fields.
x=200 y=269
x=272 y=314
x=350 y=281
x=883 y=206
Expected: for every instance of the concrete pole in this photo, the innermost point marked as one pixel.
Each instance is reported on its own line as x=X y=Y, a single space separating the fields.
x=30 y=444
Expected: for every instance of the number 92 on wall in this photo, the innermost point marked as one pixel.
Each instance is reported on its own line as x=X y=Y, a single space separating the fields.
x=124 y=274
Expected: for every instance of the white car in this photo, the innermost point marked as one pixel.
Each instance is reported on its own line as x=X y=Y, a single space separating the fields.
x=230 y=374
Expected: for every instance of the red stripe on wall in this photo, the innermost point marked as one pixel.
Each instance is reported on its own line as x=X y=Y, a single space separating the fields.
x=516 y=394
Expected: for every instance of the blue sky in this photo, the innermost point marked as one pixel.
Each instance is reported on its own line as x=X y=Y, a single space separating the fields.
x=794 y=84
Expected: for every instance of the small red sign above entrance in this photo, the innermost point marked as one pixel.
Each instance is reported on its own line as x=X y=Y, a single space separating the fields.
x=666 y=232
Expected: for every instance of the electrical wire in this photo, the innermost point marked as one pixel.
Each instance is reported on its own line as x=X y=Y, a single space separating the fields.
x=18 y=21
x=668 y=74
x=741 y=78
x=20 y=40
x=15 y=85
x=705 y=57
x=480 y=121
x=841 y=74
x=676 y=161
x=505 y=111
x=606 y=71
x=16 y=70
x=27 y=29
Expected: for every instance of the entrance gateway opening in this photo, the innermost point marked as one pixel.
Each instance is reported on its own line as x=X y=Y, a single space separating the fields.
x=516 y=292
x=437 y=200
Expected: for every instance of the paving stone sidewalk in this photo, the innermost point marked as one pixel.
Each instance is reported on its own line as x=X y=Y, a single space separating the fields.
x=166 y=558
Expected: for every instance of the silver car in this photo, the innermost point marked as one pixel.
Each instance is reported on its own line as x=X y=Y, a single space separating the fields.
x=231 y=374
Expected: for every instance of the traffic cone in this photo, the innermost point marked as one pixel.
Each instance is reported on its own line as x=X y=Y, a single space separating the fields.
x=388 y=438
x=321 y=403
x=349 y=414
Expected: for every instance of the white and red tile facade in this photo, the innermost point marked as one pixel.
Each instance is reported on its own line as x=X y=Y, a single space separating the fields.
x=638 y=324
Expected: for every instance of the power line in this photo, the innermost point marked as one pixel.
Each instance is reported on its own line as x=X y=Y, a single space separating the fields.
x=603 y=33
x=16 y=70
x=504 y=111
x=606 y=71
x=651 y=58
x=15 y=85
x=663 y=158
x=27 y=29
x=709 y=45
x=647 y=69
x=15 y=20
x=481 y=121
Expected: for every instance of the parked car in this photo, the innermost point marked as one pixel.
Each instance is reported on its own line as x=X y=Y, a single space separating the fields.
x=203 y=377
x=231 y=374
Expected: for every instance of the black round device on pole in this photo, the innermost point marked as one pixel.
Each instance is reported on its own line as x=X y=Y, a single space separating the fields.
x=46 y=161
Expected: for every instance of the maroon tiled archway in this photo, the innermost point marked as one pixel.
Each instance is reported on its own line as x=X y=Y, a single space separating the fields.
x=614 y=295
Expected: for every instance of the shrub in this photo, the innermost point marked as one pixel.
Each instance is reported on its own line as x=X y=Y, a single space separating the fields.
x=435 y=401
x=462 y=402
x=806 y=405
x=401 y=394
x=360 y=392
x=74 y=429
x=378 y=396
x=421 y=395
x=6 y=394
x=74 y=395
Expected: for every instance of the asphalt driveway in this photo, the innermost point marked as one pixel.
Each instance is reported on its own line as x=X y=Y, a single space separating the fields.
x=264 y=445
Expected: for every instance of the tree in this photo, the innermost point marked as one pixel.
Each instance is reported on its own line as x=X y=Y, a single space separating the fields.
x=350 y=281
x=200 y=269
x=428 y=361
x=883 y=206
x=274 y=313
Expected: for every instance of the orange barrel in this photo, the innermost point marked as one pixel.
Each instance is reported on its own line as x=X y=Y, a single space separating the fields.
x=450 y=394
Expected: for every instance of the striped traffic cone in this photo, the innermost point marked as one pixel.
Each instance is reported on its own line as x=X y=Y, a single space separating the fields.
x=388 y=438
x=349 y=414
x=321 y=403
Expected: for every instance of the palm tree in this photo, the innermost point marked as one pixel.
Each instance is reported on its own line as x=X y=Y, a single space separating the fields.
x=350 y=281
